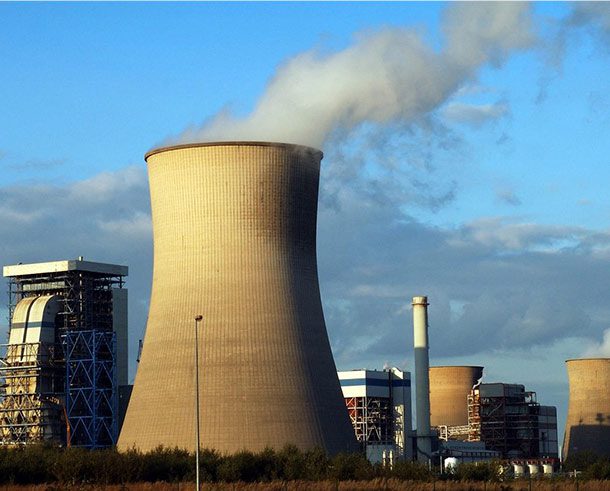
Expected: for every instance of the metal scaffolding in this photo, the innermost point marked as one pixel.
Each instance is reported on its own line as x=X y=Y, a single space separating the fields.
x=27 y=412
x=507 y=421
x=71 y=383
x=446 y=432
x=373 y=420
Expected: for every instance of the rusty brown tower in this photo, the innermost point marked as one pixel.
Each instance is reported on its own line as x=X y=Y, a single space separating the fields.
x=449 y=389
x=235 y=241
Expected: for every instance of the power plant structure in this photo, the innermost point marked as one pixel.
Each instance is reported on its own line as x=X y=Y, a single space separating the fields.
x=505 y=417
x=510 y=420
x=234 y=227
x=66 y=355
x=588 y=421
x=450 y=387
x=379 y=407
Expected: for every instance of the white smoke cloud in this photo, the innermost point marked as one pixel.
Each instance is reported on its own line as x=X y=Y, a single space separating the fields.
x=387 y=76
x=601 y=349
x=475 y=115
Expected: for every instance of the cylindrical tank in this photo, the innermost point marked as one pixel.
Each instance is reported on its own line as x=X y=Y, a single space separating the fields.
x=588 y=420
x=449 y=389
x=519 y=470
x=547 y=469
x=234 y=228
x=533 y=469
x=450 y=464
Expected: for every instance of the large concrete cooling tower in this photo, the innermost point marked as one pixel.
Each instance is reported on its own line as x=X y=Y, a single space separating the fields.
x=449 y=389
x=588 y=421
x=235 y=241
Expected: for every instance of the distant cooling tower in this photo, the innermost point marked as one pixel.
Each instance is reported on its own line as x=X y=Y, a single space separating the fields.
x=235 y=241
x=449 y=389
x=588 y=421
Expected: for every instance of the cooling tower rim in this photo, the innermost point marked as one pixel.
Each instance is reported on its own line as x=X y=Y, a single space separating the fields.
x=598 y=358
x=245 y=143
x=457 y=366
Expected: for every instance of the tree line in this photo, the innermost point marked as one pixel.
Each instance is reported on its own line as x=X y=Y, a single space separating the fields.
x=41 y=464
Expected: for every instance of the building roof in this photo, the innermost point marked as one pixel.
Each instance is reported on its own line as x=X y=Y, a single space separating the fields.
x=17 y=270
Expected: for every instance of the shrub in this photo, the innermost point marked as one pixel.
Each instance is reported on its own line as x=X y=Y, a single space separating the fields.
x=581 y=460
x=316 y=465
x=242 y=466
x=350 y=467
x=598 y=470
x=478 y=471
x=292 y=463
x=25 y=464
x=209 y=460
x=169 y=465
x=410 y=471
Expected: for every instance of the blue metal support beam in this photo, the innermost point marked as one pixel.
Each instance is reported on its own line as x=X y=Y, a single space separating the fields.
x=91 y=387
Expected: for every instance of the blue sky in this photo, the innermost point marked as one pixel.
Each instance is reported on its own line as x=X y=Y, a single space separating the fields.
x=466 y=161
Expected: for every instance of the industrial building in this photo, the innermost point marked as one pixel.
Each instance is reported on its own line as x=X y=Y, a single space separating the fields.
x=379 y=407
x=66 y=354
x=510 y=420
x=234 y=230
x=449 y=390
x=505 y=417
x=588 y=420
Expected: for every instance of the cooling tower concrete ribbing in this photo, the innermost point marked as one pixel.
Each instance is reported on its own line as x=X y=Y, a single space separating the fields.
x=235 y=241
x=449 y=389
x=588 y=421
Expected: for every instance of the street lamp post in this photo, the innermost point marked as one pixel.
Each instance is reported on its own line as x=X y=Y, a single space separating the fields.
x=198 y=319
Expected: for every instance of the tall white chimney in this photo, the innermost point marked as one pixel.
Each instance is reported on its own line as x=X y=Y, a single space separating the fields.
x=422 y=378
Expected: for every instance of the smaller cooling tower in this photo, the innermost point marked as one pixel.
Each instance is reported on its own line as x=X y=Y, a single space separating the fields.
x=588 y=421
x=449 y=389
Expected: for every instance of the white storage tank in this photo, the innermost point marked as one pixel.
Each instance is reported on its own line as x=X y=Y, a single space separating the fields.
x=451 y=464
x=518 y=470
x=533 y=469
x=547 y=469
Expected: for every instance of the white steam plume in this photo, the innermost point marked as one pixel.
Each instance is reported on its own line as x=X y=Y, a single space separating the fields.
x=600 y=350
x=384 y=77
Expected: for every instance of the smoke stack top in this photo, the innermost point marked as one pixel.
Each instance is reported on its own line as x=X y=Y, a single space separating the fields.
x=420 y=322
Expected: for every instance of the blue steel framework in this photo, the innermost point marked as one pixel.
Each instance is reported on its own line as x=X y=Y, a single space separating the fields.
x=91 y=400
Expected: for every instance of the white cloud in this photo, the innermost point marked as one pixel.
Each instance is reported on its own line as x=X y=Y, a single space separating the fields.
x=506 y=234
x=384 y=77
x=475 y=115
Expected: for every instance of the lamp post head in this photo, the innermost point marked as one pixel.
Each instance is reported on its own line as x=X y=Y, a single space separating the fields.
x=198 y=318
